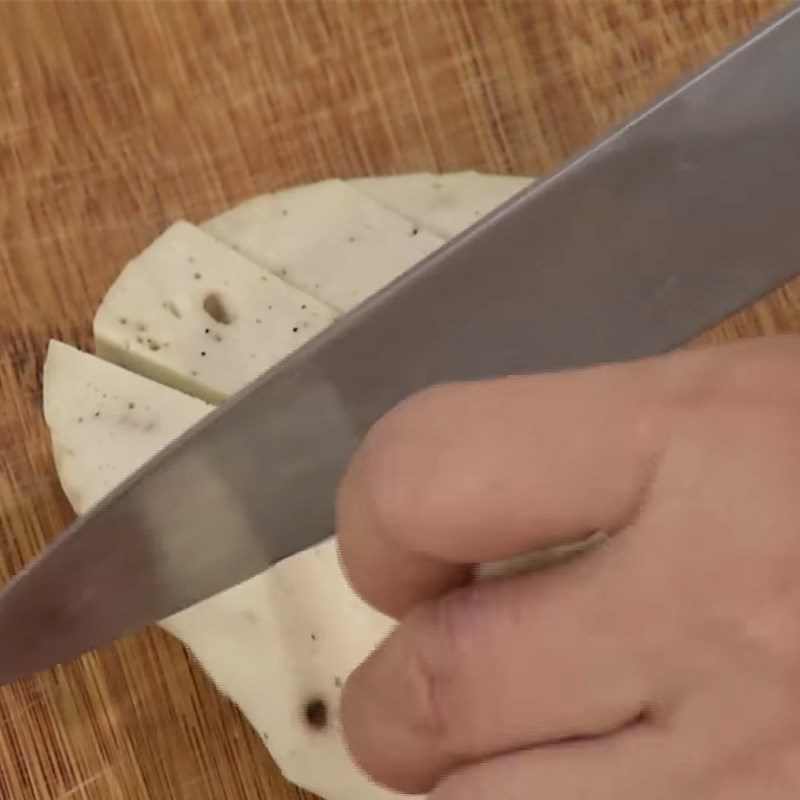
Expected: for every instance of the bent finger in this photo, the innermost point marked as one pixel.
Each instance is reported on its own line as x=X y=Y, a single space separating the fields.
x=494 y=668
x=490 y=470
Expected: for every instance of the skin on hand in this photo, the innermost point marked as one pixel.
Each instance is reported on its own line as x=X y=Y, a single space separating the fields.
x=662 y=664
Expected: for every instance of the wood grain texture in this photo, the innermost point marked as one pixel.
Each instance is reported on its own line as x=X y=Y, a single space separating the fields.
x=116 y=119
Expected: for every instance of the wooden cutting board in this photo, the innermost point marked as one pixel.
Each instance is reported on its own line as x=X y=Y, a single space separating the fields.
x=116 y=119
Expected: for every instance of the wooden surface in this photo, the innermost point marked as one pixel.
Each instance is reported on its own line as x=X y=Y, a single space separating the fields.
x=117 y=119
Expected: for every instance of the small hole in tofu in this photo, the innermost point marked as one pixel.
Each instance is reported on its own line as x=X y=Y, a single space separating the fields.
x=215 y=307
x=316 y=713
x=153 y=345
x=173 y=309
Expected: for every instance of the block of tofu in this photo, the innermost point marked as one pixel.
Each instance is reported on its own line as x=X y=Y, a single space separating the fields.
x=329 y=239
x=105 y=421
x=196 y=315
x=281 y=644
x=445 y=204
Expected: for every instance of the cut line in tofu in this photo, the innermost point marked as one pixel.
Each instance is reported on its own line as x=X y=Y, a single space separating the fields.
x=328 y=239
x=446 y=204
x=193 y=314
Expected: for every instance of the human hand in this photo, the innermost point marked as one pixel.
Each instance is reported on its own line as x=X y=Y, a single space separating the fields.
x=662 y=664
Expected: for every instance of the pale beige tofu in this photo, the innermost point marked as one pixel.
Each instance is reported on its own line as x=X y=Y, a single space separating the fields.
x=196 y=315
x=328 y=239
x=445 y=204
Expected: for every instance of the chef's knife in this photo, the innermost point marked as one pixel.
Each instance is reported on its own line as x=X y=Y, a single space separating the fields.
x=672 y=222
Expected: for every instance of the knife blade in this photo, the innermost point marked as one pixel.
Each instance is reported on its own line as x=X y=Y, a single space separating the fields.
x=675 y=220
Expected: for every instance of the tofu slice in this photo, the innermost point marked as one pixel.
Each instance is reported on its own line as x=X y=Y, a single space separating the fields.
x=279 y=645
x=445 y=204
x=328 y=239
x=195 y=315
x=105 y=422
